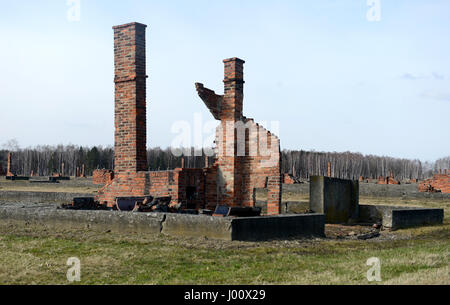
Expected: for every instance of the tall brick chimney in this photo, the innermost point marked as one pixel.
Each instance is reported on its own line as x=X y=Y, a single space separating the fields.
x=234 y=89
x=130 y=98
x=8 y=172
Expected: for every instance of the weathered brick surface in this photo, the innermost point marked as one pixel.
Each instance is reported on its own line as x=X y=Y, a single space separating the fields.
x=439 y=183
x=288 y=179
x=130 y=160
x=102 y=176
x=130 y=178
x=248 y=156
x=184 y=185
x=130 y=98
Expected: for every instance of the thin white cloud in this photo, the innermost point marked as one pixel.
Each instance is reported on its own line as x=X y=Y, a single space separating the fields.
x=437 y=76
x=412 y=76
x=441 y=96
x=409 y=76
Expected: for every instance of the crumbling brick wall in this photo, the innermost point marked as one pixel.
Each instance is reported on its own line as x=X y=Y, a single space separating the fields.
x=288 y=179
x=439 y=183
x=387 y=180
x=102 y=176
x=248 y=156
x=191 y=189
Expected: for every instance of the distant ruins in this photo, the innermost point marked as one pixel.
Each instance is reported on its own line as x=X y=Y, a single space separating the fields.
x=9 y=167
x=218 y=200
x=288 y=179
x=388 y=180
x=439 y=183
x=247 y=155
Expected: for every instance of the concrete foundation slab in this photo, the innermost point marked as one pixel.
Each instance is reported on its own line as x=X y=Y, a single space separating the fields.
x=59 y=197
x=101 y=221
x=17 y=178
x=396 y=217
x=278 y=227
x=228 y=228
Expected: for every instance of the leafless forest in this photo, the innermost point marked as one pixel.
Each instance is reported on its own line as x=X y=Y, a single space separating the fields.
x=46 y=160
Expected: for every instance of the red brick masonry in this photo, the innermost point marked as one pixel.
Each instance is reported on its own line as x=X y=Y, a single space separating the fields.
x=287 y=179
x=248 y=157
x=102 y=176
x=439 y=183
x=129 y=115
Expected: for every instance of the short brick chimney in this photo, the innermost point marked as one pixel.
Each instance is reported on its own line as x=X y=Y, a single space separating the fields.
x=234 y=89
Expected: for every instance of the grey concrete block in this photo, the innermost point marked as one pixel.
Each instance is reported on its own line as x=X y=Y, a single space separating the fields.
x=278 y=227
x=59 y=197
x=406 y=218
x=338 y=199
x=197 y=226
x=398 y=217
x=373 y=213
x=95 y=220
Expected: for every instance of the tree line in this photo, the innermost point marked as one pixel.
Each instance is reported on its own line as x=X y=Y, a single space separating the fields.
x=46 y=160
x=348 y=165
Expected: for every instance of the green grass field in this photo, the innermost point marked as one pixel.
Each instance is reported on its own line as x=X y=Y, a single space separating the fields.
x=33 y=255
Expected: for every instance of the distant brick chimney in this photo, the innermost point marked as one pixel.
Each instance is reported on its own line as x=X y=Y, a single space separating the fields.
x=130 y=98
x=9 y=167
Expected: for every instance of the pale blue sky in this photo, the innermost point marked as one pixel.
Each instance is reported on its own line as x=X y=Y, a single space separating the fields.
x=334 y=80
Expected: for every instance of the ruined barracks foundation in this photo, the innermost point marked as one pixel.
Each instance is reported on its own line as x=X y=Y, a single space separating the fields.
x=440 y=183
x=247 y=155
